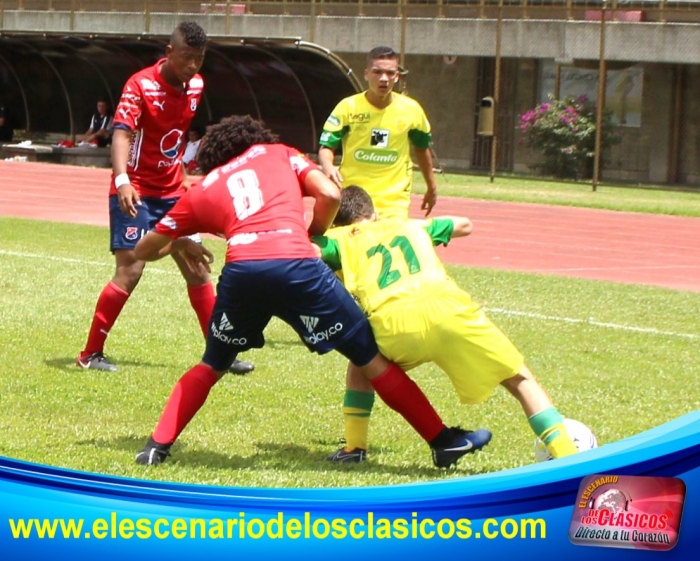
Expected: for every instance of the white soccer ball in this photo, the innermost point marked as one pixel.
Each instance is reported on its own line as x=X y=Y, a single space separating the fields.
x=583 y=438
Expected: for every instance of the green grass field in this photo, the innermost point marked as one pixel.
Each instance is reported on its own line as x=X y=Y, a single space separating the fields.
x=274 y=428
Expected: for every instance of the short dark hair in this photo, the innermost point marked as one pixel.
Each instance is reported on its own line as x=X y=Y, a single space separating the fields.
x=191 y=33
x=230 y=138
x=355 y=205
x=381 y=53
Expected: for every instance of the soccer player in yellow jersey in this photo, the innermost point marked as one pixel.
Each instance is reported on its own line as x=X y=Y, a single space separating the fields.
x=376 y=129
x=418 y=314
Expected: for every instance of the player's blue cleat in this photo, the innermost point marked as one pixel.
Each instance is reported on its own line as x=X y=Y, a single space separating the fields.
x=463 y=442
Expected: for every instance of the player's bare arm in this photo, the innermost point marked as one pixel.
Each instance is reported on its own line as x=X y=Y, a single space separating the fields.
x=326 y=158
x=128 y=197
x=424 y=158
x=197 y=257
x=327 y=196
x=154 y=246
x=462 y=226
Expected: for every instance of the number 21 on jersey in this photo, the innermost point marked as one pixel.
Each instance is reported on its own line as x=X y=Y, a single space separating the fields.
x=387 y=275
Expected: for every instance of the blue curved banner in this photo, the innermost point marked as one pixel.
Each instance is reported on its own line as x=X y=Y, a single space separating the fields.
x=638 y=498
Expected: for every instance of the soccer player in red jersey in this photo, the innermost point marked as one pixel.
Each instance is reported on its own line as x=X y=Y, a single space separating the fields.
x=253 y=195
x=155 y=110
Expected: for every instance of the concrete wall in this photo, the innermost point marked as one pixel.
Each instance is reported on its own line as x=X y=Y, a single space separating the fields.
x=448 y=91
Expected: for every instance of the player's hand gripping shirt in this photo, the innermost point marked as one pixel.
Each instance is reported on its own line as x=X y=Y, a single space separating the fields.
x=388 y=259
x=159 y=116
x=256 y=201
x=376 y=147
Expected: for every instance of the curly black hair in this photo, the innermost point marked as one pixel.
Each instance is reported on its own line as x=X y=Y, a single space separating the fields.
x=355 y=205
x=191 y=33
x=230 y=138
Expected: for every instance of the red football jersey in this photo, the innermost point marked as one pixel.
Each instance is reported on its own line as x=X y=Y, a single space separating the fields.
x=159 y=115
x=255 y=201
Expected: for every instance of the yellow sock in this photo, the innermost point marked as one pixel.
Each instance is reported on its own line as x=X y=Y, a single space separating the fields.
x=558 y=441
x=548 y=425
x=357 y=407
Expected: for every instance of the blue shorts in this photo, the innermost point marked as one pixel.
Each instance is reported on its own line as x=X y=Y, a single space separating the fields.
x=304 y=293
x=125 y=231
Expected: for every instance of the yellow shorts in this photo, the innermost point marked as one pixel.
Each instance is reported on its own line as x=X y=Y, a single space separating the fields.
x=451 y=330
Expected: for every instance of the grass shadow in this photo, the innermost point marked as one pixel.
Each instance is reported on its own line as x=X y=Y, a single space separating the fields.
x=67 y=364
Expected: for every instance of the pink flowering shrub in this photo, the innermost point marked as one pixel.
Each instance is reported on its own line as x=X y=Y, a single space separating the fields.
x=564 y=132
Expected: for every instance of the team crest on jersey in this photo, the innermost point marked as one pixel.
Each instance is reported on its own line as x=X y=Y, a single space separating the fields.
x=193 y=105
x=379 y=138
x=401 y=125
x=131 y=233
x=170 y=144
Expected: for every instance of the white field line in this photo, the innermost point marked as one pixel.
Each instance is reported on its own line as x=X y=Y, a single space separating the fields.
x=591 y=321
x=543 y=317
x=109 y=264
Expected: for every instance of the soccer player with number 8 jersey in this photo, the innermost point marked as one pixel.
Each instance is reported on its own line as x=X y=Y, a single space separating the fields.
x=253 y=195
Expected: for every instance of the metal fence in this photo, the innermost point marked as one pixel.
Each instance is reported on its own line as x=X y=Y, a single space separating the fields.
x=629 y=10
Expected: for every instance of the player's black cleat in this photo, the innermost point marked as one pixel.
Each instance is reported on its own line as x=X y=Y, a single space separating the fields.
x=463 y=442
x=153 y=453
x=343 y=456
x=241 y=367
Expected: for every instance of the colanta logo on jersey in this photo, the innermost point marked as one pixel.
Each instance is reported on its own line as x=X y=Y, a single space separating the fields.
x=376 y=156
x=170 y=144
x=333 y=120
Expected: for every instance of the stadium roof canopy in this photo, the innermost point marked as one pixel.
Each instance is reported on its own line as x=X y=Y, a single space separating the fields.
x=50 y=84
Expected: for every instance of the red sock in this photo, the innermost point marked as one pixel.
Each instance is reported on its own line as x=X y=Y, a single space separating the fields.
x=187 y=397
x=202 y=298
x=402 y=394
x=109 y=306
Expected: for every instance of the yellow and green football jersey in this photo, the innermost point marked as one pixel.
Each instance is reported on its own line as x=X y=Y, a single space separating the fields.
x=389 y=259
x=376 y=147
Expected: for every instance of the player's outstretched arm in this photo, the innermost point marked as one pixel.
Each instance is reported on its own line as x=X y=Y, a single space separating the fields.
x=461 y=225
x=425 y=162
x=128 y=196
x=327 y=196
x=153 y=246
x=326 y=158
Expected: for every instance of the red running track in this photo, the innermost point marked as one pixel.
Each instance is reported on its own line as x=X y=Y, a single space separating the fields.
x=577 y=242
